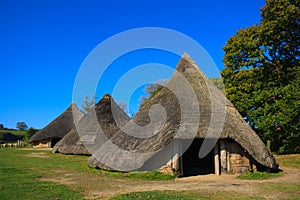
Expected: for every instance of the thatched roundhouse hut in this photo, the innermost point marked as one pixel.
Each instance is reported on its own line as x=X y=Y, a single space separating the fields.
x=72 y=142
x=57 y=129
x=236 y=147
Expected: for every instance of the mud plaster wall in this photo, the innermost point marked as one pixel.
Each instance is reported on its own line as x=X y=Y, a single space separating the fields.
x=41 y=144
x=238 y=161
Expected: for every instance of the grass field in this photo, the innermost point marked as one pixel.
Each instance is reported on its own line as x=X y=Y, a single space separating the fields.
x=15 y=132
x=18 y=178
x=259 y=175
x=183 y=195
x=40 y=174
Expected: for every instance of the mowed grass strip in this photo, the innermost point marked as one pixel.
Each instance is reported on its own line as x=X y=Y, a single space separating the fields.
x=292 y=160
x=259 y=175
x=183 y=195
x=18 y=179
x=15 y=132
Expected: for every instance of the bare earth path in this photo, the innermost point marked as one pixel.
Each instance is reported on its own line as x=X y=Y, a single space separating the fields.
x=95 y=187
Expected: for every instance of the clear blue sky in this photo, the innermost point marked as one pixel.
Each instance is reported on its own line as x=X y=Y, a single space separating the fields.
x=44 y=42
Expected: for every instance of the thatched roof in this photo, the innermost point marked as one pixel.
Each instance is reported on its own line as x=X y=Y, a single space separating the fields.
x=60 y=126
x=73 y=144
x=213 y=107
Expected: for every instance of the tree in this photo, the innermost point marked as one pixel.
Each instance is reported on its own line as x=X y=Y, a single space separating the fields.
x=261 y=74
x=151 y=90
x=88 y=104
x=30 y=132
x=219 y=84
x=22 y=126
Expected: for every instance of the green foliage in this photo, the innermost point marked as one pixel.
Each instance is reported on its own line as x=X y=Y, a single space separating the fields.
x=8 y=137
x=30 y=132
x=259 y=175
x=22 y=126
x=151 y=90
x=262 y=74
x=219 y=84
x=18 y=181
x=88 y=104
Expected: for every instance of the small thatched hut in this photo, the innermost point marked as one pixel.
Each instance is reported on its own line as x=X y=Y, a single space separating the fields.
x=57 y=129
x=236 y=148
x=73 y=144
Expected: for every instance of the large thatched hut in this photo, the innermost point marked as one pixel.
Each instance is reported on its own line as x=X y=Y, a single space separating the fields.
x=232 y=147
x=57 y=129
x=72 y=142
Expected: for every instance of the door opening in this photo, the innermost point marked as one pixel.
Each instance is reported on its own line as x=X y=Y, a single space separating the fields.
x=192 y=165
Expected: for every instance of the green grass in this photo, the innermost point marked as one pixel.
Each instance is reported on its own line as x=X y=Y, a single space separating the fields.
x=183 y=195
x=161 y=195
x=292 y=160
x=18 y=180
x=285 y=190
x=153 y=175
x=15 y=132
x=259 y=175
x=75 y=163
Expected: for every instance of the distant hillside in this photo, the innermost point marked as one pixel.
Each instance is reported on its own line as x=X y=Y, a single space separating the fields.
x=7 y=136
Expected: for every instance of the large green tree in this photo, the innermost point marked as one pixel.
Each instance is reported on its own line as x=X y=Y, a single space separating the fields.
x=261 y=74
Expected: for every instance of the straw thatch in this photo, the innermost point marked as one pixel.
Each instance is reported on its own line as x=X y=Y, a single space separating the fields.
x=235 y=128
x=59 y=127
x=73 y=144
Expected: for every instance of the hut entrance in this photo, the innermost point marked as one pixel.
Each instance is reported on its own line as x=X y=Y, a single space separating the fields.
x=54 y=141
x=192 y=165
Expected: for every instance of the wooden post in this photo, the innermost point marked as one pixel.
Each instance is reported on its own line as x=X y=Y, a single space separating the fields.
x=223 y=157
x=216 y=159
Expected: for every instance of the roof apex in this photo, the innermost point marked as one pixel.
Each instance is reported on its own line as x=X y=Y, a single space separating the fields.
x=186 y=62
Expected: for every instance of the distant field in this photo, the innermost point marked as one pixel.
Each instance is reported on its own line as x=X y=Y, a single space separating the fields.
x=15 y=132
x=40 y=174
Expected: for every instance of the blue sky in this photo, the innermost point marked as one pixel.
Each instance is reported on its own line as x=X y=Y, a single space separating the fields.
x=43 y=44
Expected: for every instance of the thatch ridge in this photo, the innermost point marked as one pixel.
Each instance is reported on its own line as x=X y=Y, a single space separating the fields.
x=60 y=126
x=72 y=143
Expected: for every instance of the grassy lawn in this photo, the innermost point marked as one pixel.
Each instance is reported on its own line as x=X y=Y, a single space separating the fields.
x=15 y=132
x=24 y=174
x=184 y=195
x=152 y=176
x=18 y=179
x=292 y=160
x=259 y=175
x=162 y=195
x=285 y=190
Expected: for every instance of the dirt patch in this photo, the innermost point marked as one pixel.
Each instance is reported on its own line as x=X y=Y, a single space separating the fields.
x=37 y=155
x=103 y=187
x=34 y=149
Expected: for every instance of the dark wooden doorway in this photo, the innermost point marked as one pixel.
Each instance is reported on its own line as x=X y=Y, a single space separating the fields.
x=192 y=165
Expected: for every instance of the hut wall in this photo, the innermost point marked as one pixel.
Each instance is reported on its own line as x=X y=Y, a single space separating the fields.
x=229 y=158
x=42 y=144
x=238 y=161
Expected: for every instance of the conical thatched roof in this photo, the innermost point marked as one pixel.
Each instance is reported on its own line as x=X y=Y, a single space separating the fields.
x=60 y=126
x=72 y=143
x=213 y=108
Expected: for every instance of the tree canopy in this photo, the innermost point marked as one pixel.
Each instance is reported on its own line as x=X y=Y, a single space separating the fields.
x=21 y=126
x=88 y=104
x=262 y=74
